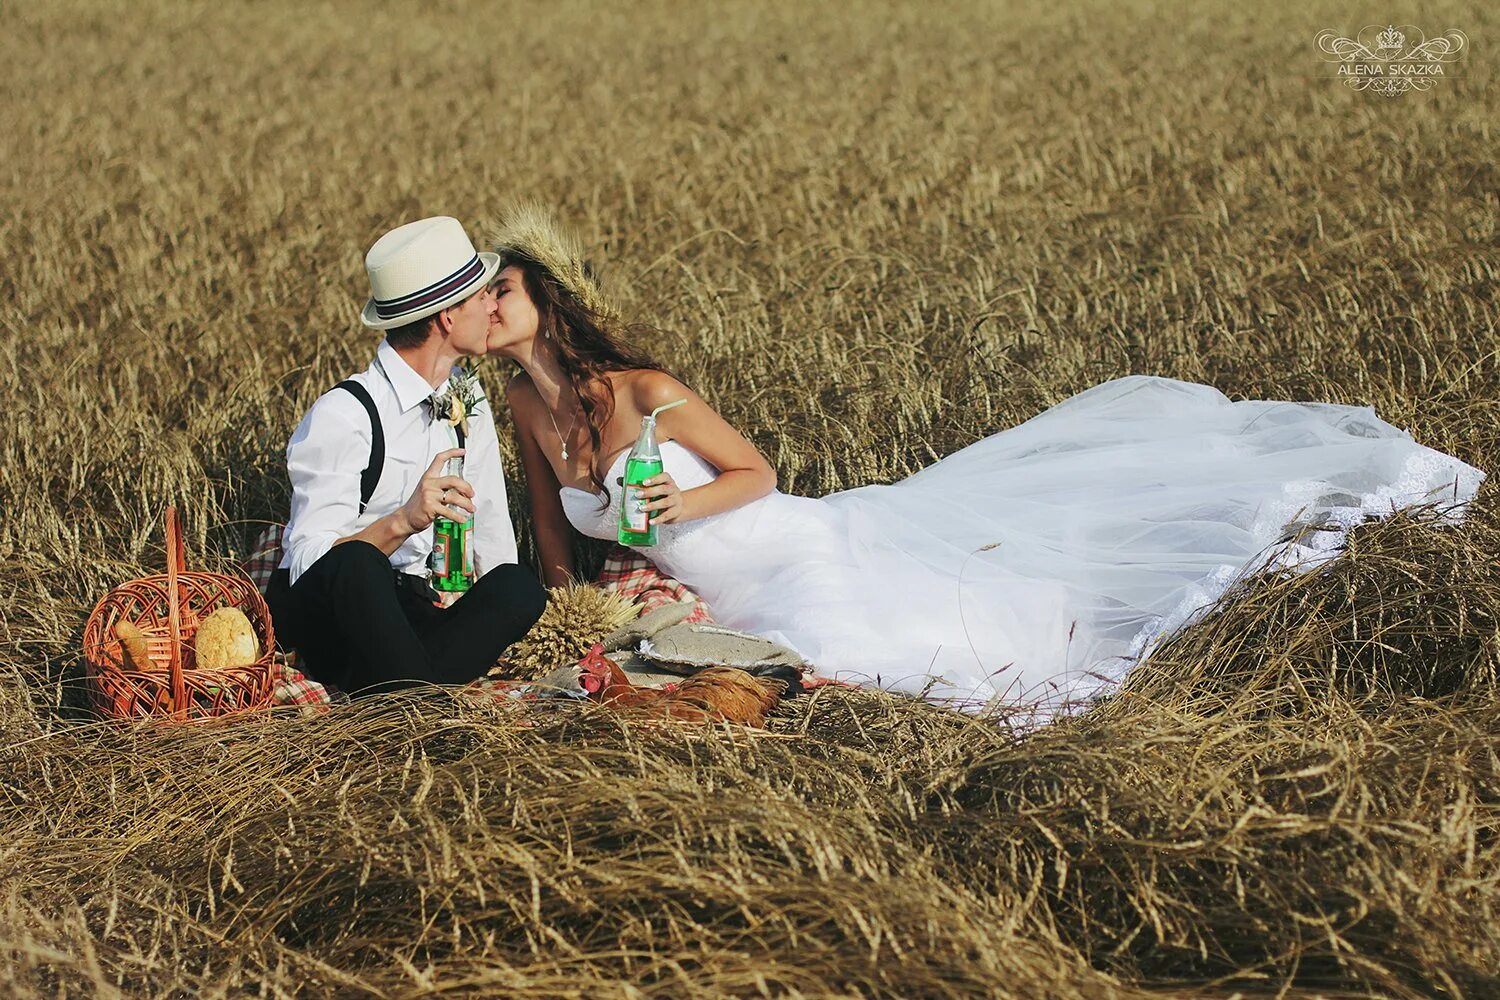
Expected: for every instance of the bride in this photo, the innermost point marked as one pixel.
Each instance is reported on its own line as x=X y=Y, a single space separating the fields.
x=1035 y=566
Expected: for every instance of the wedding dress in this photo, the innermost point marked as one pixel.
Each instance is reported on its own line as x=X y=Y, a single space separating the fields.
x=1037 y=565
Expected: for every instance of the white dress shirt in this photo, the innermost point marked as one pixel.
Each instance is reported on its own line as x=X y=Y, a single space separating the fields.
x=331 y=447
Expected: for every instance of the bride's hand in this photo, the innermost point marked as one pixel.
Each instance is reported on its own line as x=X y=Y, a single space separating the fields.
x=666 y=503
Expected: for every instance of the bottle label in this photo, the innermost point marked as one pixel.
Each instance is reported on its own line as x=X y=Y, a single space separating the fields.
x=634 y=518
x=438 y=563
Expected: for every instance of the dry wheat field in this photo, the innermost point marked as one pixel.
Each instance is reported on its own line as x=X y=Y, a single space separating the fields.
x=870 y=234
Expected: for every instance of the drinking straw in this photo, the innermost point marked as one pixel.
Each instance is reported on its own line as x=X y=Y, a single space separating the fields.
x=667 y=406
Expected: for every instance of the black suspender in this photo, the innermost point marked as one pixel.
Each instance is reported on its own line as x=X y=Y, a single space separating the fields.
x=369 y=478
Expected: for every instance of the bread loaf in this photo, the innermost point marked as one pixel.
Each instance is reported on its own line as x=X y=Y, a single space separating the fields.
x=226 y=639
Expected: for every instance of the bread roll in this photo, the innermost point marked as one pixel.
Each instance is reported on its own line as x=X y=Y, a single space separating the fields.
x=133 y=644
x=226 y=639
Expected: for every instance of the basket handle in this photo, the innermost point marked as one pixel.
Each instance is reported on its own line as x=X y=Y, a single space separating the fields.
x=176 y=564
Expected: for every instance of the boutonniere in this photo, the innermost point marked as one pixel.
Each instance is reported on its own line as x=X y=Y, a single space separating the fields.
x=459 y=398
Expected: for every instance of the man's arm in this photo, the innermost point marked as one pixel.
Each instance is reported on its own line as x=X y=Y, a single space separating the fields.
x=387 y=534
x=421 y=508
x=324 y=460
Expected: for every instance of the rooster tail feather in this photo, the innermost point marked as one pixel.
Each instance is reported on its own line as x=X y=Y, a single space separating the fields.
x=730 y=693
x=788 y=675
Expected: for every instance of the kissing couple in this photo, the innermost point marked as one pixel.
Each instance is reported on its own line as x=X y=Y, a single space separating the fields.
x=1035 y=566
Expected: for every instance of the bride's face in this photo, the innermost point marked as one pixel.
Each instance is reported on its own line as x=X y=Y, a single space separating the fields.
x=513 y=324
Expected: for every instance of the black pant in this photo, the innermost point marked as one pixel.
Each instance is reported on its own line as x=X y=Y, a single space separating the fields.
x=356 y=624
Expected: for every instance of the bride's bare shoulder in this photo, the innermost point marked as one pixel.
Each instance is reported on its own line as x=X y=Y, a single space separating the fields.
x=649 y=388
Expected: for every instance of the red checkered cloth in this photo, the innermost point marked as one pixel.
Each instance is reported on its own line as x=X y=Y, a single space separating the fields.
x=293 y=687
x=632 y=575
x=626 y=572
x=265 y=556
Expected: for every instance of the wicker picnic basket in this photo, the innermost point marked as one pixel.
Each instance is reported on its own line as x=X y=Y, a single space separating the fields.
x=167 y=608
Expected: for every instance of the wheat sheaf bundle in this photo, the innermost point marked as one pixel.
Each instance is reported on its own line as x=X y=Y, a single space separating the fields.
x=530 y=231
x=577 y=616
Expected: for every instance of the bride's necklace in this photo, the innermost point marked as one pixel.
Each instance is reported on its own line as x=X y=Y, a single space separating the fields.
x=563 y=441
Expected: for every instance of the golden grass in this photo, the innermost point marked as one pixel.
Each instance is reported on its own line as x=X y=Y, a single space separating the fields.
x=870 y=236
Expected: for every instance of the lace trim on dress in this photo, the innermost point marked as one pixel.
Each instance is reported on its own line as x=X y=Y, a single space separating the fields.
x=1321 y=530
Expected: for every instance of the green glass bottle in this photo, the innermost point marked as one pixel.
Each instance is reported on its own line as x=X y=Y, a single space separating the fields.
x=643 y=462
x=452 y=560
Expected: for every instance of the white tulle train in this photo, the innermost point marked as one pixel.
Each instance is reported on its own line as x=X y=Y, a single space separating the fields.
x=1039 y=564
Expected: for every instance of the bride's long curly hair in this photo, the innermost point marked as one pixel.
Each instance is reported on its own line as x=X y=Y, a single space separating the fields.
x=588 y=345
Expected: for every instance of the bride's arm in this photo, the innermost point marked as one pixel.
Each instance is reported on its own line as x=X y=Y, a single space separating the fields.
x=554 y=535
x=744 y=473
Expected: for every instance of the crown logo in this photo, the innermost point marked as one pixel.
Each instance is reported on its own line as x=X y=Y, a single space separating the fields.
x=1390 y=38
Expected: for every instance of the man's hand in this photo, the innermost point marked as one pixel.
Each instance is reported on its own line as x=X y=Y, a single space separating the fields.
x=449 y=496
x=436 y=494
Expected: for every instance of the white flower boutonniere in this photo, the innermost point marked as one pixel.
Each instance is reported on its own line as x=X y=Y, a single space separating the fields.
x=459 y=398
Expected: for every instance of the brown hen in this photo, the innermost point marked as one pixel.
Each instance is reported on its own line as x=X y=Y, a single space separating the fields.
x=715 y=694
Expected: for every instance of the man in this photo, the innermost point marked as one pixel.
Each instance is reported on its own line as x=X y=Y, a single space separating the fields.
x=352 y=595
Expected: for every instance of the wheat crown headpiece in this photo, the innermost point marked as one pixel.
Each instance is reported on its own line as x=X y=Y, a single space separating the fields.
x=529 y=231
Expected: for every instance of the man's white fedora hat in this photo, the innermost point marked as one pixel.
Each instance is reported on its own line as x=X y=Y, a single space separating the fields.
x=422 y=268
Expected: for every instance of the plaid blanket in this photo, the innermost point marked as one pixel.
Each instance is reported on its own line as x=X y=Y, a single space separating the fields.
x=632 y=575
x=625 y=572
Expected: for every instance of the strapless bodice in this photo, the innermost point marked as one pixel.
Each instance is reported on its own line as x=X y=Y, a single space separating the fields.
x=795 y=547
x=703 y=551
x=585 y=513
